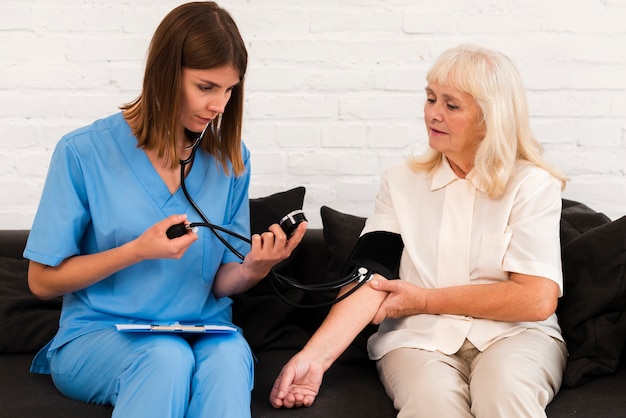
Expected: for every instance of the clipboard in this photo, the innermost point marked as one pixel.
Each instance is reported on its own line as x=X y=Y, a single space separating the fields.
x=176 y=327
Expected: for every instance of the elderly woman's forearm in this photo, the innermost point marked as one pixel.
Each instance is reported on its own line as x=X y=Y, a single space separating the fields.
x=344 y=322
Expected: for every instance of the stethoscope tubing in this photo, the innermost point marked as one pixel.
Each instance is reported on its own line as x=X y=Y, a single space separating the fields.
x=358 y=276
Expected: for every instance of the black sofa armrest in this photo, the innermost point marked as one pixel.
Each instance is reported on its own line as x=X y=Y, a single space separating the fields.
x=12 y=242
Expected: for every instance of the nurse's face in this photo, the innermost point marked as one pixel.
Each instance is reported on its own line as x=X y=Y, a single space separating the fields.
x=205 y=95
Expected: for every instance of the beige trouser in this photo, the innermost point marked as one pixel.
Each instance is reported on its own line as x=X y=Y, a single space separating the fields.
x=515 y=377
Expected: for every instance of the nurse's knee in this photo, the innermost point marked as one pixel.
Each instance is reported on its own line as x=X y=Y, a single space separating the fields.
x=229 y=346
x=224 y=355
x=166 y=356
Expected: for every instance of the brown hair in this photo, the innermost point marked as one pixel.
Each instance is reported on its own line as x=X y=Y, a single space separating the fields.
x=197 y=35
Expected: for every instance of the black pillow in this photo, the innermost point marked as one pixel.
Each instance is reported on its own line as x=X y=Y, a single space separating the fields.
x=28 y=323
x=268 y=322
x=592 y=310
x=268 y=210
x=341 y=233
x=577 y=218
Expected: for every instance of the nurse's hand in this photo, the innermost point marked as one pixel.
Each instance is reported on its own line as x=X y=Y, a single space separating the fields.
x=154 y=243
x=267 y=250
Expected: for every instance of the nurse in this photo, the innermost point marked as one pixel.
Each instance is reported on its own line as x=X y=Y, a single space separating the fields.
x=99 y=235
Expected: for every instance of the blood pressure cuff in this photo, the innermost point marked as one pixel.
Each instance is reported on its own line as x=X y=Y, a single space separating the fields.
x=378 y=251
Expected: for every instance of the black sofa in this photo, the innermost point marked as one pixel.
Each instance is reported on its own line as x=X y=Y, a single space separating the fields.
x=592 y=316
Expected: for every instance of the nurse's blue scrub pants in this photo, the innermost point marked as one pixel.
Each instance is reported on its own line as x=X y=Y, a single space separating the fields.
x=158 y=375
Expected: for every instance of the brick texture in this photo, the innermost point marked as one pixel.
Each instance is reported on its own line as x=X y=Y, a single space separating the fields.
x=334 y=88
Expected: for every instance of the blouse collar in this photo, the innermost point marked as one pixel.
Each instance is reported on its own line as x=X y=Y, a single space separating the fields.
x=444 y=175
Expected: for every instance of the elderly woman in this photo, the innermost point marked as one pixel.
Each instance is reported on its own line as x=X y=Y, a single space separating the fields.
x=470 y=328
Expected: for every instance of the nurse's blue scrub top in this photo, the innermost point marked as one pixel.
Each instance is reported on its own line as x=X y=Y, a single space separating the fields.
x=101 y=192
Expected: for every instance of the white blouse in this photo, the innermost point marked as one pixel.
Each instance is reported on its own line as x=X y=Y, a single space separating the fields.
x=455 y=234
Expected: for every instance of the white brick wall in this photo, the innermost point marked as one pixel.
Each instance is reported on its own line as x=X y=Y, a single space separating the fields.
x=334 y=88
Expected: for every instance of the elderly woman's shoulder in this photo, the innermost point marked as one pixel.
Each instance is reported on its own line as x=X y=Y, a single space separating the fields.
x=527 y=168
x=529 y=173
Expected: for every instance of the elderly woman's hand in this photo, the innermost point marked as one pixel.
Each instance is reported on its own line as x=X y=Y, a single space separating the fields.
x=404 y=299
x=298 y=383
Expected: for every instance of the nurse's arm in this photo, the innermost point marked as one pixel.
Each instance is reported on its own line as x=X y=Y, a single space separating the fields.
x=80 y=271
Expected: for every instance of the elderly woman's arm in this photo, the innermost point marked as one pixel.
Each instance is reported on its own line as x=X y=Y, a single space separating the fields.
x=299 y=381
x=522 y=298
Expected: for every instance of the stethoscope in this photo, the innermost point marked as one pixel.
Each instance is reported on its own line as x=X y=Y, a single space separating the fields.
x=288 y=223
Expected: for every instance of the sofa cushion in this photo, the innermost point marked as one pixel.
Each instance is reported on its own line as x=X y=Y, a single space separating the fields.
x=32 y=395
x=351 y=388
x=268 y=322
x=591 y=311
x=28 y=322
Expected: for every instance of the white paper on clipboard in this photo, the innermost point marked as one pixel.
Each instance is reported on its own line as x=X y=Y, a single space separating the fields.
x=174 y=328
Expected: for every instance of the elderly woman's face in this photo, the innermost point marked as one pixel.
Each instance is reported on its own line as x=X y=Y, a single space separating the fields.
x=453 y=121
